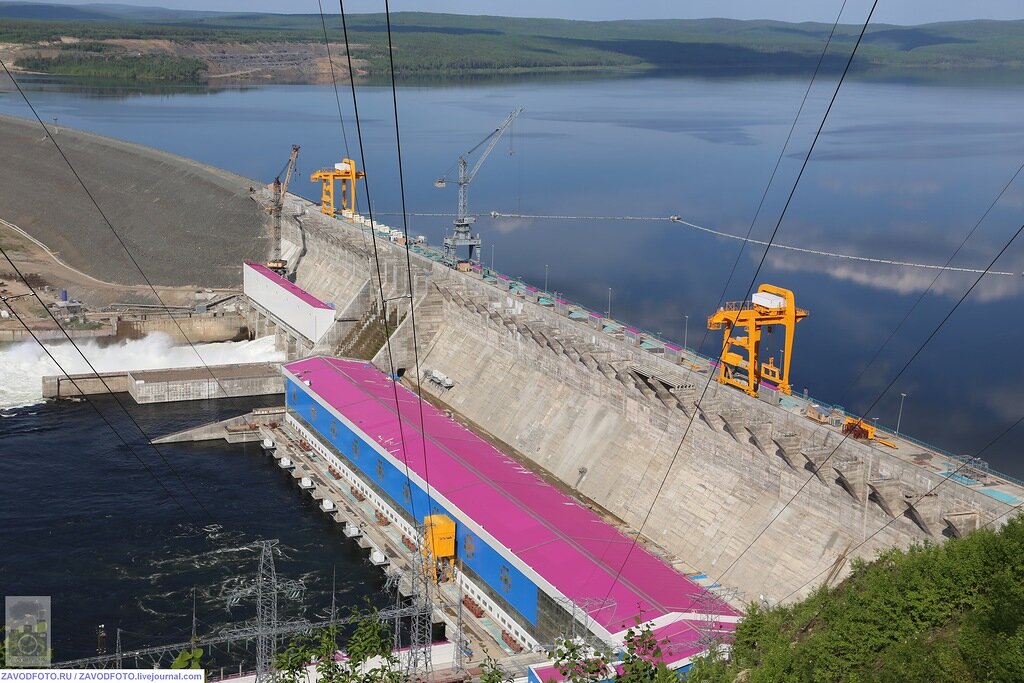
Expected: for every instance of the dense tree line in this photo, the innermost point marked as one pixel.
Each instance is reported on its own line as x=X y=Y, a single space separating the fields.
x=119 y=67
x=464 y=45
x=950 y=612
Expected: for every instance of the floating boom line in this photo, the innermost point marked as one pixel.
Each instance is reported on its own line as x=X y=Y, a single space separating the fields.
x=773 y=245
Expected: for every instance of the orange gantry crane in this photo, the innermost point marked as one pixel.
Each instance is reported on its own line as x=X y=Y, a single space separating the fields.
x=346 y=173
x=740 y=364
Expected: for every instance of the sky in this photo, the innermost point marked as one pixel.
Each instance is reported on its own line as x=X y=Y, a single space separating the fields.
x=890 y=11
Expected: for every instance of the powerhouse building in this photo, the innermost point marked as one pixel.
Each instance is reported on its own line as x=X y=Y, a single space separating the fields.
x=532 y=556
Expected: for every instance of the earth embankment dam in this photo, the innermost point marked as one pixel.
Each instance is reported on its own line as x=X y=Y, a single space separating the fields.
x=186 y=223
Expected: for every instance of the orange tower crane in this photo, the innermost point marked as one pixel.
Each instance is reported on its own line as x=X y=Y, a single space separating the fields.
x=348 y=175
x=740 y=364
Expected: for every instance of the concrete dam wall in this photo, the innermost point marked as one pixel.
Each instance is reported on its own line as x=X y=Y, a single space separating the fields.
x=606 y=418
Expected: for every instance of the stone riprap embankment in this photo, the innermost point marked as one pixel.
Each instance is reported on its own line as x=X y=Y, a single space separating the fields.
x=184 y=222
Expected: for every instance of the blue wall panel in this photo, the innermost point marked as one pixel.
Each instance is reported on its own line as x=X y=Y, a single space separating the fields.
x=505 y=579
x=485 y=561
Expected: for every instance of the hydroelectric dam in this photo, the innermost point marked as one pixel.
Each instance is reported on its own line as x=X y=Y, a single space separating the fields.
x=602 y=408
x=761 y=501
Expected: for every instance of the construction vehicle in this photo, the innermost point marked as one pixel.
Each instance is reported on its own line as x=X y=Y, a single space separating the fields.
x=740 y=364
x=859 y=429
x=347 y=174
x=278 y=189
x=461 y=235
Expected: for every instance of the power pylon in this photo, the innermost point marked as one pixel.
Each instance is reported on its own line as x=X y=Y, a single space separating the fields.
x=419 y=666
x=265 y=589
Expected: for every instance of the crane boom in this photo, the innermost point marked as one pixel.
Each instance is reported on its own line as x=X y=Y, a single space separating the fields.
x=461 y=234
x=278 y=190
x=290 y=169
x=493 y=138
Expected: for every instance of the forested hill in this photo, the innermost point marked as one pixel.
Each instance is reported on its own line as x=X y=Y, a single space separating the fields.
x=441 y=45
x=935 y=614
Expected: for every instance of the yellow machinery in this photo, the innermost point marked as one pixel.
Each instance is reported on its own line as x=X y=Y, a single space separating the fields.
x=438 y=541
x=859 y=429
x=348 y=175
x=740 y=364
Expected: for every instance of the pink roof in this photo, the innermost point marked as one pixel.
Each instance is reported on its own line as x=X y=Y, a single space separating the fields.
x=672 y=346
x=567 y=544
x=631 y=329
x=290 y=286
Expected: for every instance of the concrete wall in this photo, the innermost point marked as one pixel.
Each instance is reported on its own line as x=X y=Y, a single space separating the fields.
x=59 y=386
x=338 y=266
x=292 y=306
x=200 y=389
x=197 y=329
x=527 y=380
x=22 y=334
x=575 y=402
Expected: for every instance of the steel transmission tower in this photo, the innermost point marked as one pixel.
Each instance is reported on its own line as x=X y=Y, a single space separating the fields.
x=419 y=666
x=265 y=589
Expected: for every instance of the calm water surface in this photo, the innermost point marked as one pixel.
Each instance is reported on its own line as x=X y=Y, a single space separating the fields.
x=901 y=172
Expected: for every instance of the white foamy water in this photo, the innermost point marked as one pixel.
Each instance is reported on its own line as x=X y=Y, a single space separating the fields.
x=23 y=365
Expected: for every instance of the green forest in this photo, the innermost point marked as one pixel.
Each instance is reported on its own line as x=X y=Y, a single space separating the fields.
x=119 y=67
x=931 y=614
x=453 y=45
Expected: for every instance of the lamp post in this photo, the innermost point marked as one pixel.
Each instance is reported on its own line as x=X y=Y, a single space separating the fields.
x=545 y=278
x=492 y=257
x=608 y=313
x=900 y=417
x=686 y=329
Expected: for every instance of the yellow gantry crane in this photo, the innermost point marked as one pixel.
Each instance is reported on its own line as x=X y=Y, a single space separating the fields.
x=740 y=364
x=346 y=173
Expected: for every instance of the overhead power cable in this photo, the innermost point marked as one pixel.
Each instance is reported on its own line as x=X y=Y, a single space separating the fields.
x=949 y=476
x=778 y=224
x=74 y=383
x=408 y=259
x=376 y=259
x=334 y=79
x=141 y=272
x=920 y=299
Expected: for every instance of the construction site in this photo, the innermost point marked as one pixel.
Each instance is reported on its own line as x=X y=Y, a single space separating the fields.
x=498 y=449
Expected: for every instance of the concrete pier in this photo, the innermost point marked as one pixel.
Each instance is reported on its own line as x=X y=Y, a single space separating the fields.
x=180 y=384
x=198 y=383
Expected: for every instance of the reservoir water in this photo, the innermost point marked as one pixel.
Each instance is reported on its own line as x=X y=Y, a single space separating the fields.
x=902 y=172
